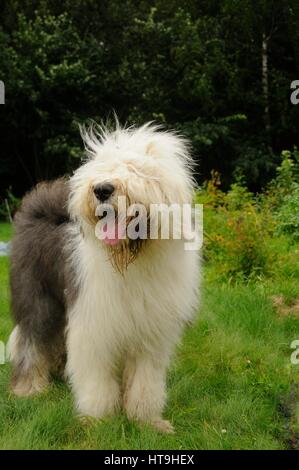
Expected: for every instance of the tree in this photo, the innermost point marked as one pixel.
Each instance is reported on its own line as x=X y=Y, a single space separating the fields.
x=220 y=72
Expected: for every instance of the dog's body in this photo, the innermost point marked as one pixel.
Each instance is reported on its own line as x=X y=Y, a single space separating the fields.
x=116 y=330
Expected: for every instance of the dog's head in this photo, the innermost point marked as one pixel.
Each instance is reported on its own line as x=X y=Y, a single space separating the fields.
x=126 y=171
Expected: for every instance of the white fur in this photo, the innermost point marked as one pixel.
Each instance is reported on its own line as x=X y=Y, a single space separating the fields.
x=34 y=377
x=12 y=345
x=129 y=324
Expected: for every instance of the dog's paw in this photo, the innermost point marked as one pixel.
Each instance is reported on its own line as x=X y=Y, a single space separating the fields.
x=26 y=386
x=163 y=425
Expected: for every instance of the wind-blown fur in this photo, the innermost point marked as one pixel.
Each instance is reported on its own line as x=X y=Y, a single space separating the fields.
x=115 y=322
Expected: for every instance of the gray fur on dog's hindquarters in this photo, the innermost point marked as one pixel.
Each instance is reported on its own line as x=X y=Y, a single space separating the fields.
x=37 y=278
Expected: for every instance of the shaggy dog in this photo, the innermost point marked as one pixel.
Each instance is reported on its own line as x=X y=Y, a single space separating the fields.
x=105 y=312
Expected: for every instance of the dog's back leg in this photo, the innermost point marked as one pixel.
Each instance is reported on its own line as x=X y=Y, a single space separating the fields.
x=30 y=366
x=36 y=346
x=37 y=280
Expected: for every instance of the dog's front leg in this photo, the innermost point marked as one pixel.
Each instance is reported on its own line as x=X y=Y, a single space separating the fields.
x=90 y=372
x=145 y=391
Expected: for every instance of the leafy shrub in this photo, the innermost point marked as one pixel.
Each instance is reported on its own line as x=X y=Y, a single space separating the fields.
x=238 y=197
x=245 y=248
x=287 y=173
x=211 y=194
x=287 y=216
x=236 y=230
x=282 y=196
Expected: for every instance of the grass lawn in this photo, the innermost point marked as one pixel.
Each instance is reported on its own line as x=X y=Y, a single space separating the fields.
x=231 y=385
x=5 y=232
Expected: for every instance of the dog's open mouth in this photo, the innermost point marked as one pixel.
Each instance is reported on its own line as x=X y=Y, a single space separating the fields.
x=114 y=229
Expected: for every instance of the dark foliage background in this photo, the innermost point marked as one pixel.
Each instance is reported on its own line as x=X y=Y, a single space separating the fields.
x=218 y=70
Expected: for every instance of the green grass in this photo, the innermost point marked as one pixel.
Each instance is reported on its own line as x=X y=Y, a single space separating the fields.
x=231 y=385
x=5 y=232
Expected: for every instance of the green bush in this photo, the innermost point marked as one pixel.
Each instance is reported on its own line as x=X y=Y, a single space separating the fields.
x=282 y=196
x=287 y=173
x=238 y=197
x=245 y=248
x=236 y=230
x=287 y=216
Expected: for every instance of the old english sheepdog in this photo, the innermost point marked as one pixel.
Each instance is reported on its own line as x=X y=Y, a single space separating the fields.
x=105 y=311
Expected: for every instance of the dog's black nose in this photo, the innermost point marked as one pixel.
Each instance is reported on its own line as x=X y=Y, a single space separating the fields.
x=103 y=191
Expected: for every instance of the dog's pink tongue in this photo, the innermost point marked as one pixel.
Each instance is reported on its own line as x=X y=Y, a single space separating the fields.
x=111 y=234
